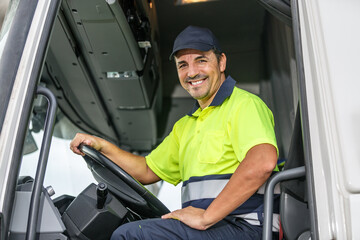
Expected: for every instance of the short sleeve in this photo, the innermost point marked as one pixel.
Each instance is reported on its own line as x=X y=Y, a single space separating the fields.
x=252 y=124
x=164 y=160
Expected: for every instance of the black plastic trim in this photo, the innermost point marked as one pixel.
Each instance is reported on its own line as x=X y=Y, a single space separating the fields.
x=304 y=119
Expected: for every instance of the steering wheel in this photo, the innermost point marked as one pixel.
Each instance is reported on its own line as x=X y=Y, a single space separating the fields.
x=154 y=205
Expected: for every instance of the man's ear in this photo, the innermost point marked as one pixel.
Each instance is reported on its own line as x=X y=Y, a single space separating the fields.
x=222 y=62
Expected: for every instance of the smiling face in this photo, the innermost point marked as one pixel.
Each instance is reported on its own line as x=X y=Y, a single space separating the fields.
x=200 y=73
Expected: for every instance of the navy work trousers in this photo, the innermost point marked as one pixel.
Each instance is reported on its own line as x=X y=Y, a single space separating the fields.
x=169 y=229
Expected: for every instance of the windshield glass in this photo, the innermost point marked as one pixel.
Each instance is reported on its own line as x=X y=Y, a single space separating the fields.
x=66 y=172
x=5 y=25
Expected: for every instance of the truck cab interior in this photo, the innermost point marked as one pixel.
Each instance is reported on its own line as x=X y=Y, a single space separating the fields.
x=106 y=66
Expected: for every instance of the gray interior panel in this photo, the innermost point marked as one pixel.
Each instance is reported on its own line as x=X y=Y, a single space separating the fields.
x=72 y=84
x=138 y=128
x=126 y=92
x=110 y=59
x=133 y=90
x=49 y=217
x=105 y=28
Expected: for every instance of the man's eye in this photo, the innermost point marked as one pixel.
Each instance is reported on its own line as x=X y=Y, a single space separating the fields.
x=202 y=60
x=181 y=66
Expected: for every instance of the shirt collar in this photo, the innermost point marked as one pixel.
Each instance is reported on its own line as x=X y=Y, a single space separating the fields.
x=225 y=91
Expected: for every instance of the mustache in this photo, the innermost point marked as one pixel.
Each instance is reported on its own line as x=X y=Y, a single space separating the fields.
x=196 y=77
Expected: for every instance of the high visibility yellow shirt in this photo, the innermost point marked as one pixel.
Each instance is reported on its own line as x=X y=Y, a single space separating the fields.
x=214 y=140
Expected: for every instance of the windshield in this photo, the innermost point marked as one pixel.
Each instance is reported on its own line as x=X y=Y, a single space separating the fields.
x=66 y=172
x=6 y=23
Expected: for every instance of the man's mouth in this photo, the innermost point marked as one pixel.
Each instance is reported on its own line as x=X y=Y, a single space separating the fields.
x=196 y=82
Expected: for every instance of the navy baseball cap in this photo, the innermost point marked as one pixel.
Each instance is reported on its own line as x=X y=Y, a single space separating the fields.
x=195 y=38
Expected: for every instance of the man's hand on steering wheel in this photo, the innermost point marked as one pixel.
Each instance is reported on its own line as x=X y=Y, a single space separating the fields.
x=85 y=139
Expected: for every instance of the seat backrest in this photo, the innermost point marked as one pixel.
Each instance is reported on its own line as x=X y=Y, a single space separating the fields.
x=295 y=159
x=294 y=212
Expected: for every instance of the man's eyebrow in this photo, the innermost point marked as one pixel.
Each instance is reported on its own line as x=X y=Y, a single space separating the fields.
x=201 y=56
x=181 y=62
x=197 y=58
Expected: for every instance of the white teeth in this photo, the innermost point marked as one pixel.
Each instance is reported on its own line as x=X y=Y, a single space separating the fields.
x=196 y=83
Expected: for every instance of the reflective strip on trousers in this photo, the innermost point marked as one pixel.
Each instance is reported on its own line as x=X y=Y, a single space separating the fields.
x=252 y=218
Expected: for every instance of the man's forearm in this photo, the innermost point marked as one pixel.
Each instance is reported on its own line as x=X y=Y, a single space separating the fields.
x=246 y=180
x=133 y=164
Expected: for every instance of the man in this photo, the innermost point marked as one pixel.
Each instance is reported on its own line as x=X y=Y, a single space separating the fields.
x=223 y=151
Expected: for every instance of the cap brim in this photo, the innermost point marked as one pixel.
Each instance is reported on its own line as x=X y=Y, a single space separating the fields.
x=198 y=46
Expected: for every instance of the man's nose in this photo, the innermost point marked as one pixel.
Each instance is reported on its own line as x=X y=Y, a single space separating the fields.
x=193 y=71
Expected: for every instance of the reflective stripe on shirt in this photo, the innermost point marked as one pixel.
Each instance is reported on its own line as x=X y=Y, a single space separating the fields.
x=201 y=191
